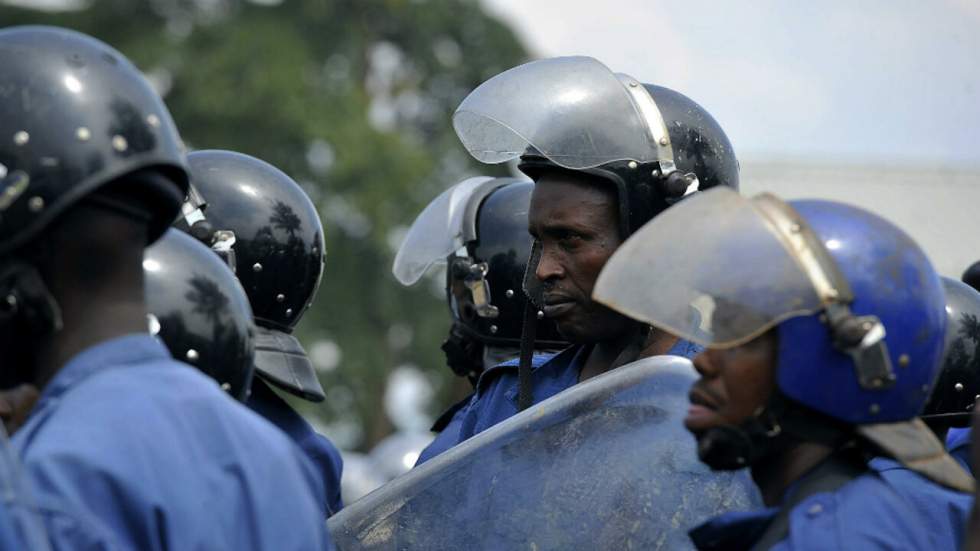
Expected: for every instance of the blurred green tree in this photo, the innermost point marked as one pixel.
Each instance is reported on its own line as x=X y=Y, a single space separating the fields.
x=353 y=99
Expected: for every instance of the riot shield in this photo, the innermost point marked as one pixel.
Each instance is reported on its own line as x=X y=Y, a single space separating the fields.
x=606 y=464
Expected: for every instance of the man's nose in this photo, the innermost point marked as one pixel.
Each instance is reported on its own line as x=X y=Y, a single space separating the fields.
x=702 y=364
x=549 y=266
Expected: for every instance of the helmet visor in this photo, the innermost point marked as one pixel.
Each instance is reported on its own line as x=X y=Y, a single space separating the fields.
x=572 y=110
x=712 y=269
x=437 y=232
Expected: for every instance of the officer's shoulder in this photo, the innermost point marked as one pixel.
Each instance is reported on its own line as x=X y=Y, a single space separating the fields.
x=868 y=512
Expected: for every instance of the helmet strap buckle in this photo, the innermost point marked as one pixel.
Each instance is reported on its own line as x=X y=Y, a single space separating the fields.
x=863 y=339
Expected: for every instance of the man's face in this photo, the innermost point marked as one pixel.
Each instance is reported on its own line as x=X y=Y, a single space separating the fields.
x=735 y=383
x=575 y=218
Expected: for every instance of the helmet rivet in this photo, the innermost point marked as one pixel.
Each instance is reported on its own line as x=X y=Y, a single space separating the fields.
x=119 y=143
x=540 y=314
x=256 y=267
x=226 y=387
x=280 y=297
x=632 y=165
x=795 y=228
x=35 y=204
x=663 y=141
x=958 y=387
x=289 y=311
x=493 y=329
x=21 y=138
x=192 y=355
x=11 y=301
x=83 y=134
x=509 y=293
x=153 y=120
x=874 y=409
x=740 y=460
x=903 y=360
x=634 y=84
x=656 y=173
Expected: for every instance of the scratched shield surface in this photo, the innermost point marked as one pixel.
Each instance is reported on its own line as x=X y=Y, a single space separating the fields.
x=606 y=464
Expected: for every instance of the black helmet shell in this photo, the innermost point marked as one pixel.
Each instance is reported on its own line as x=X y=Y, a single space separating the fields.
x=278 y=236
x=700 y=147
x=200 y=311
x=503 y=243
x=75 y=114
x=958 y=382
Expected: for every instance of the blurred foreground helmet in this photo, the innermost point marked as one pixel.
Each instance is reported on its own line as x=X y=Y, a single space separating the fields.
x=259 y=218
x=857 y=307
x=572 y=113
x=200 y=311
x=479 y=229
x=958 y=384
x=972 y=276
x=77 y=115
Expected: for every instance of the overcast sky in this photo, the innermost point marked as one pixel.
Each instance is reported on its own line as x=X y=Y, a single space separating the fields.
x=870 y=81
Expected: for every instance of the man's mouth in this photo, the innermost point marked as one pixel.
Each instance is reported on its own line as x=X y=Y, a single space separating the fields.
x=557 y=305
x=703 y=412
x=700 y=398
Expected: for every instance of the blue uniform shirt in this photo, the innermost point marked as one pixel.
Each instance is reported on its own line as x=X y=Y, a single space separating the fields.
x=889 y=507
x=958 y=446
x=21 y=526
x=318 y=449
x=495 y=397
x=158 y=457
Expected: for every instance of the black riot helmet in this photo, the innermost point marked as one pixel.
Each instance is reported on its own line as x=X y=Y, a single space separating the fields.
x=572 y=113
x=958 y=384
x=971 y=276
x=200 y=311
x=479 y=229
x=257 y=216
x=75 y=116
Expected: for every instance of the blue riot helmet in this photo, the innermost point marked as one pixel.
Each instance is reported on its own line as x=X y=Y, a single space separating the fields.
x=267 y=228
x=199 y=310
x=478 y=229
x=971 y=276
x=856 y=307
x=958 y=385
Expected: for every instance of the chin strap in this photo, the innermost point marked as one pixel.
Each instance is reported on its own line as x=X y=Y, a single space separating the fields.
x=775 y=426
x=464 y=355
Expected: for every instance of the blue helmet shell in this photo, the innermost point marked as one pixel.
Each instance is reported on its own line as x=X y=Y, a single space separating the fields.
x=891 y=278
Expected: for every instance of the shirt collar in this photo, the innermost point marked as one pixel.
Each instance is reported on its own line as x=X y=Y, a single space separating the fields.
x=736 y=530
x=128 y=349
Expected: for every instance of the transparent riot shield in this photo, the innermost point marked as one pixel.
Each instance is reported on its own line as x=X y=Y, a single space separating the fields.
x=606 y=464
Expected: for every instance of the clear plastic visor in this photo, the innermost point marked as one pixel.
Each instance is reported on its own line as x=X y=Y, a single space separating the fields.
x=436 y=232
x=711 y=269
x=572 y=110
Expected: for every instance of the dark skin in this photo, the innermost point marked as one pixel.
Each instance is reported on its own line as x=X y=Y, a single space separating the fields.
x=575 y=218
x=91 y=262
x=736 y=384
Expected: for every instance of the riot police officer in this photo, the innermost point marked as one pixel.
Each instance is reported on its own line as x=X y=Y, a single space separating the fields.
x=126 y=447
x=824 y=329
x=478 y=229
x=267 y=228
x=606 y=153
